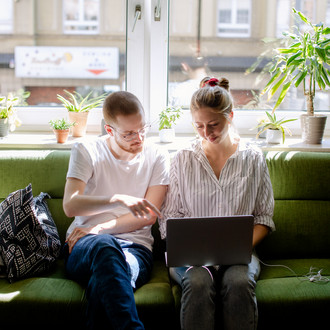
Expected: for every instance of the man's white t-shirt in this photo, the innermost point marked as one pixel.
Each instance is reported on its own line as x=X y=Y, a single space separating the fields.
x=105 y=175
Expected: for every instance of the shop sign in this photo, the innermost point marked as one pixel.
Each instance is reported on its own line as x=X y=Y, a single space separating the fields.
x=67 y=62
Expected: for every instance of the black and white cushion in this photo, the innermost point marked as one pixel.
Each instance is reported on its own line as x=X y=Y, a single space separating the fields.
x=29 y=241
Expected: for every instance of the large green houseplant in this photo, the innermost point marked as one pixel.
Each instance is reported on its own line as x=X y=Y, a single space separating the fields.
x=302 y=61
x=78 y=108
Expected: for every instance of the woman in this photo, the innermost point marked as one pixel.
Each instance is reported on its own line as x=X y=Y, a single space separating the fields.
x=218 y=176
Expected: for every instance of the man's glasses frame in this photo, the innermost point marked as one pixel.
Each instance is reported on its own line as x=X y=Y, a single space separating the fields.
x=131 y=135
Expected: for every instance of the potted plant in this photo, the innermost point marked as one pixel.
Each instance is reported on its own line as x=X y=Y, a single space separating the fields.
x=275 y=131
x=78 y=108
x=8 y=114
x=168 y=118
x=303 y=60
x=61 y=129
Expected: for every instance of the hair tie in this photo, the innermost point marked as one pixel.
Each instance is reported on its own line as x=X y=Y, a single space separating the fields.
x=211 y=82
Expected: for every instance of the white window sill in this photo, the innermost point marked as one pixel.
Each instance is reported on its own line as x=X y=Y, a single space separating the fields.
x=18 y=140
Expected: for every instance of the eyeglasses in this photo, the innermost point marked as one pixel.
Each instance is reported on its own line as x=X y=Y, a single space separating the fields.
x=131 y=135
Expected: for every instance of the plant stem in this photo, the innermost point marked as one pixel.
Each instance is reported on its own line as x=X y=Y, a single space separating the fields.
x=310 y=103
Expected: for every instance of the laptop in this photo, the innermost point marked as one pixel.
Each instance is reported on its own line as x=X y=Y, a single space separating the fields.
x=209 y=241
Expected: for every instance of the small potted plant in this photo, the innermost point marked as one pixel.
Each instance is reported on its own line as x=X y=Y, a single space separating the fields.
x=61 y=129
x=303 y=60
x=168 y=118
x=8 y=114
x=275 y=131
x=78 y=108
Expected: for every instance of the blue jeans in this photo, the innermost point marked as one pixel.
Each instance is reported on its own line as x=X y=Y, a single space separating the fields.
x=228 y=292
x=110 y=268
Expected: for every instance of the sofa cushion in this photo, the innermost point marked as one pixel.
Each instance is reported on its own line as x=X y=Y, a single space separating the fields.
x=29 y=242
x=289 y=302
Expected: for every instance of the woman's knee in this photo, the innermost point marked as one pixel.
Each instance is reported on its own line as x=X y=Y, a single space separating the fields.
x=237 y=279
x=198 y=281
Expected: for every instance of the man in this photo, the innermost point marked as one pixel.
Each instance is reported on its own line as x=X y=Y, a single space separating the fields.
x=115 y=186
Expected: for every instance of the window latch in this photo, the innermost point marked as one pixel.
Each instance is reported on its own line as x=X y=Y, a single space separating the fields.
x=157 y=11
x=137 y=15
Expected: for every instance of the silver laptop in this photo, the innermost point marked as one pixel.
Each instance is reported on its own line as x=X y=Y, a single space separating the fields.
x=209 y=241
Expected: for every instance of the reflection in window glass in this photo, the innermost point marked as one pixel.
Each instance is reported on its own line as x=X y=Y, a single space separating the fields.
x=201 y=47
x=48 y=61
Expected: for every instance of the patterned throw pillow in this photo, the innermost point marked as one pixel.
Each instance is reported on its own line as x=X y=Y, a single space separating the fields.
x=29 y=241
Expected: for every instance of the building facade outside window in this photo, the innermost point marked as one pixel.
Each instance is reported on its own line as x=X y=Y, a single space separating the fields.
x=81 y=16
x=6 y=17
x=234 y=18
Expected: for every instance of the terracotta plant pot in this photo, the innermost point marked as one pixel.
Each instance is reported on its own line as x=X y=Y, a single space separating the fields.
x=312 y=128
x=80 y=118
x=61 y=135
x=4 y=127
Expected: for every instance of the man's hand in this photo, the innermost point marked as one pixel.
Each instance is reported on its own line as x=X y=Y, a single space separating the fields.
x=80 y=232
x=139 y=207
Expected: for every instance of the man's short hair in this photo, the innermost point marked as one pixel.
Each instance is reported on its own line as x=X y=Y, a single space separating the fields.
x=120 y=103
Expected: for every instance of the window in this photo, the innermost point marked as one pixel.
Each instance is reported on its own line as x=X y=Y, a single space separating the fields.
x=6 y=16
x=234 y=18
x=81 y=16
x=160 y=60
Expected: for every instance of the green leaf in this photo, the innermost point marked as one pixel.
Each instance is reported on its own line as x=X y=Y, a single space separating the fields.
x=302 y=76
x=276 y=86
x=272 y=79
x=293 y=57
x=284 y=91
x=287 y=50
x=321 y=52
x=325 y=75
x=326 y=30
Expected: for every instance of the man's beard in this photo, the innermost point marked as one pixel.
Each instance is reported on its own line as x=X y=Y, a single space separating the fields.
x=133 y=148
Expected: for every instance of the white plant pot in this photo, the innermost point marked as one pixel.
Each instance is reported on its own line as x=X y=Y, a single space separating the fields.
x=273 y=136
x=312 y=128
x=167 y=135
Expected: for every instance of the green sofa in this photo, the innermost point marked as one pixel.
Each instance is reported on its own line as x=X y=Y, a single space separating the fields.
x=301 y=183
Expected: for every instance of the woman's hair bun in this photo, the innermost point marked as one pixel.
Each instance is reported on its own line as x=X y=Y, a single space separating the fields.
x=224 y=83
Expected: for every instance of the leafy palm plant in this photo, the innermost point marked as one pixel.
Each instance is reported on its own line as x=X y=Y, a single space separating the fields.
x=77 y=103
x=273 y=123
x=304 y=60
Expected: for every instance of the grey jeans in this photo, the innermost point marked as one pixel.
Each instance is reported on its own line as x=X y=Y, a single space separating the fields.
x=227 y=292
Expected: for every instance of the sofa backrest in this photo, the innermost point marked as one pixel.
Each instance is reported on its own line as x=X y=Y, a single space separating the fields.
x=45 y=169
x=301 y=185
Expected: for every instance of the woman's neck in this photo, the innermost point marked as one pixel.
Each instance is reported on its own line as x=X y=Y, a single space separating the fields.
x=224 y=148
